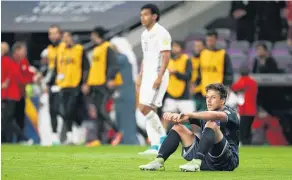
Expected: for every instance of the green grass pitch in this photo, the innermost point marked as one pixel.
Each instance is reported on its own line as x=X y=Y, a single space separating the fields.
x=121 y=163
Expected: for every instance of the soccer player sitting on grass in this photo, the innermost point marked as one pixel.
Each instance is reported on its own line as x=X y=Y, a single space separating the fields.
x=216 y=149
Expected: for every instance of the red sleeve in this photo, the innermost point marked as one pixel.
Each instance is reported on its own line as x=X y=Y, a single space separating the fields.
x=4 y=69
x=239 y=85
x=27 y=75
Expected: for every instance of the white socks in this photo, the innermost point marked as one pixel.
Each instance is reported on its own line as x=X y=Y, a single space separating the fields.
x=154 y=128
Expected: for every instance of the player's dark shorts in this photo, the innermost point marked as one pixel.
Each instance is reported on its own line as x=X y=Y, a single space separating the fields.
x=227 y=160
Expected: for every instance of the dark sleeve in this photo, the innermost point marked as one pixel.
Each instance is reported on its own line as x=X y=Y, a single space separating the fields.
x=112 y=65
x=195 y=121
x=188 y=74
x=255 y=64
x=228 y=71
x=85 y=67
x=231 y=115
x=198 y=80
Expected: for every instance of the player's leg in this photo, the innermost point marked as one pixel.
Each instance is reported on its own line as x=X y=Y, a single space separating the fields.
x=148 y=99
x=211 y=135
x=178 y=133
x=245 y=129
x=170 y=105
x=70 y=98
x=20 y=115
x=53 y=101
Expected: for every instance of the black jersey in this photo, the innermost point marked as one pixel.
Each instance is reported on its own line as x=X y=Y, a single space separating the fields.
x=230 y=128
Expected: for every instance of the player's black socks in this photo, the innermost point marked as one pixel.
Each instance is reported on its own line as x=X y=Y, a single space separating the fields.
x=206 y=142
x=169 y=145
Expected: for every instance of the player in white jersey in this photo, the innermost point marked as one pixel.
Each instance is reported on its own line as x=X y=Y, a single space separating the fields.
x=153 y=77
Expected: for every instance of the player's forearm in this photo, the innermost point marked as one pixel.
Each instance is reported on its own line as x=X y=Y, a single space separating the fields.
x=165 y=60
x=208 y=115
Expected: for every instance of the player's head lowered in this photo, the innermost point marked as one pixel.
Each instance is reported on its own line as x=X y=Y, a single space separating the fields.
x=216 y=96
x=98 y=35
x=177 y=48
x=149 y=15
x=211 y=39
x=55 y=34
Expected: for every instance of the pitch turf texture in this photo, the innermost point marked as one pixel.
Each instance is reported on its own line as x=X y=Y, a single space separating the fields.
x=121 y=163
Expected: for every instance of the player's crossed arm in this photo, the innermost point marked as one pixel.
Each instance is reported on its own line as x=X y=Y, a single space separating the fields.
x=203 y=115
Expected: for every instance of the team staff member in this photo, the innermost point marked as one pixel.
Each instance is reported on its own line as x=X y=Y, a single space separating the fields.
x=101 y=78
x=12 y=81
x=215 y=65
x=199 y=45
x=248 y=109
x=54 y=48
x=178 y=97
x=71 y=71
x=28 y=73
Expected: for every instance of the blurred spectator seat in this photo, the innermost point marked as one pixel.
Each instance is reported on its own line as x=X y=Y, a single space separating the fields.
x=284 y=62
x=238 y=59
x=197 y=34
x=224 y=34
x=242 y=45
x=221 y=44
x=281 y=45
x=281 y=52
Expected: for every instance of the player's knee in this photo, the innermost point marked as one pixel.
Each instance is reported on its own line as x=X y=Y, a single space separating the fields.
x=212 y=124
x=178 y=128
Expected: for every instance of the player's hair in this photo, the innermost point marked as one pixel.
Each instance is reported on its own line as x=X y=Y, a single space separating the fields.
x=263 y=45
x=180 y=43
x=57 y=27
x=153 y=8
x=70 y=33
x=220 y=88
x=212 y=33
x=100 y=31
x=16 y=46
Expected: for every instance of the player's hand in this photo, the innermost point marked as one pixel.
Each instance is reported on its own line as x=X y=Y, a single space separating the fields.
x=5 y=84
x=157 y=83
x=85 y=89
x=182 y=118
x=172 y=117
x=172 y=71
x=37 y=78
x=110 y=84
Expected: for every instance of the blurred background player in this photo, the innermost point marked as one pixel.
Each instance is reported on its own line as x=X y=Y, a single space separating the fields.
x=71 y=71
x=13 y=79
x=248 y=87
x=56 y=46
x=216 y=149
x=178 y=98
x=153 y=78
x=215 y=65
x=199 y=46
x=102 y=78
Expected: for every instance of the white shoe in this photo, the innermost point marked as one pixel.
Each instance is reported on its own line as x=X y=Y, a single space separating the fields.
x=192 y=166
x=55 y=139
x=153 y=166
x=27 y=143
x=149 y=152
x=69 y=139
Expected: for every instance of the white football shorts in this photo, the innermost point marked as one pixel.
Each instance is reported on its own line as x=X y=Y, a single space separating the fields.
x=149 y=96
